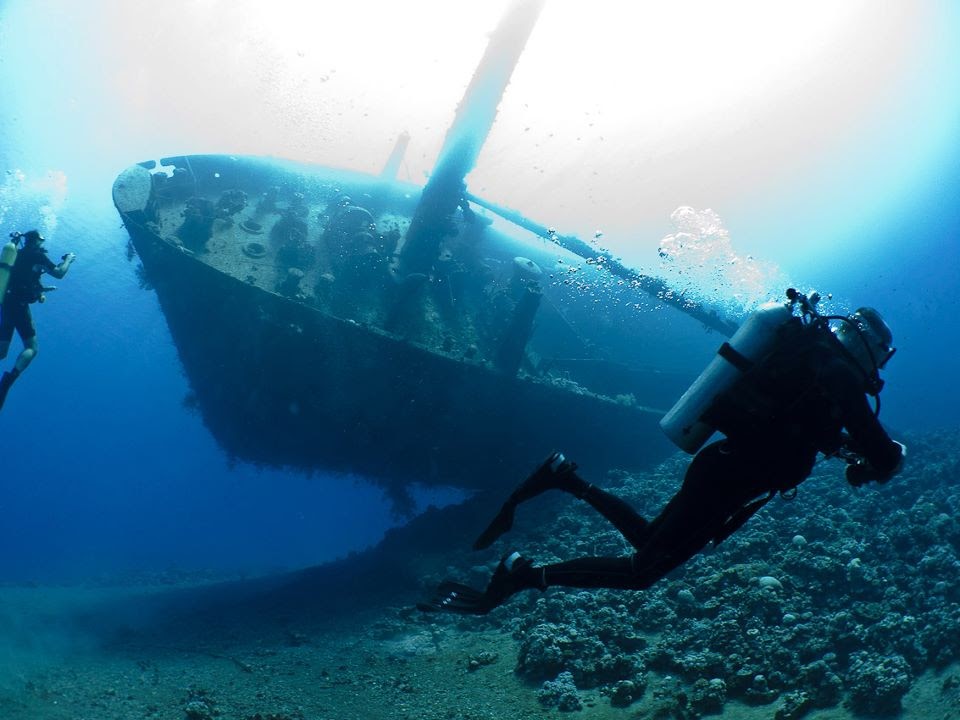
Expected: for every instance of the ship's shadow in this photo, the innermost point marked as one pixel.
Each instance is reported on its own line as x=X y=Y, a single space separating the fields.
x=380 y=582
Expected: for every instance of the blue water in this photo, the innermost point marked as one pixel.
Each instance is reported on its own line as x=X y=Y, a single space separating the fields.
x=106 y=470
x=102 y=468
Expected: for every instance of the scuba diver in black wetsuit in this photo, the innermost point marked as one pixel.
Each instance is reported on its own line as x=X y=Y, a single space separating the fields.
x=783 y=389
x=20 y=286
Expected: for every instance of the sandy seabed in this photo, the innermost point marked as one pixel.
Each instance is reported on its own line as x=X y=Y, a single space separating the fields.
x=95 y=653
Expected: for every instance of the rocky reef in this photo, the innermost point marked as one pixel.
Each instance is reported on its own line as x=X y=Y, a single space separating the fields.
x=840 y=596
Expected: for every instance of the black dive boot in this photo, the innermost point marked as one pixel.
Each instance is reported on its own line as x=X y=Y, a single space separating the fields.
x=5 y=382
x=554 y=473
x=513 y=574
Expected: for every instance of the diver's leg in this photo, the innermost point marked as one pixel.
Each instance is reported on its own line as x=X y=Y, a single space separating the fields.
x=557 y=473
x=679 y=532
x=619 y=513
x=682 y=529
x=30 y=349
x=695 y=512
x=718 y=487
x=718 y=484
x=6 y=330
x=515 y=574
x=617 y=573
x=9 y=377
x=694 y=506
x=685 y=525
x=28 y=334
x=636 y=572
x=595 y=572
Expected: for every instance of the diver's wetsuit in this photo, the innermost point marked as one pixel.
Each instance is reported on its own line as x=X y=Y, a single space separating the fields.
x=22 y=290
x=729 y=480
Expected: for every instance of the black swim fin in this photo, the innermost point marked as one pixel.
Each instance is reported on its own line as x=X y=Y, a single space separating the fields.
x=554 y=473
x=497 y=527
x=457 y=598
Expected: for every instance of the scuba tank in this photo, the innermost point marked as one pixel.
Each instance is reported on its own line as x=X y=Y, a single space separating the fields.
x=7 y=257
x=684 y=423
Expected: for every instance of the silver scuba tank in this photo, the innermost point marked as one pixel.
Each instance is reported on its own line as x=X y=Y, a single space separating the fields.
x=7 y=257
x=683 y=424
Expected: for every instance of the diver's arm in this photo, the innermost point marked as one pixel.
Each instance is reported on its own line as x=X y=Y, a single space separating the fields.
x=881 y=457
x=58 y=271
x=862 y=471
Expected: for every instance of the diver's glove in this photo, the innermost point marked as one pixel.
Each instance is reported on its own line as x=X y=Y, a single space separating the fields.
x=861 y=472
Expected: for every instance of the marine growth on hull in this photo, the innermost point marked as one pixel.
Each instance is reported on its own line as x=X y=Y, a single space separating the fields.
x=342 y=251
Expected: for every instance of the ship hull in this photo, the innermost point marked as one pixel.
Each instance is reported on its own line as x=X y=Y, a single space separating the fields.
x=284 y=382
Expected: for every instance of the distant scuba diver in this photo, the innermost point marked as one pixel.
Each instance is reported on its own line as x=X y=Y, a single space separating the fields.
x=20 y=286
x=784 y=388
